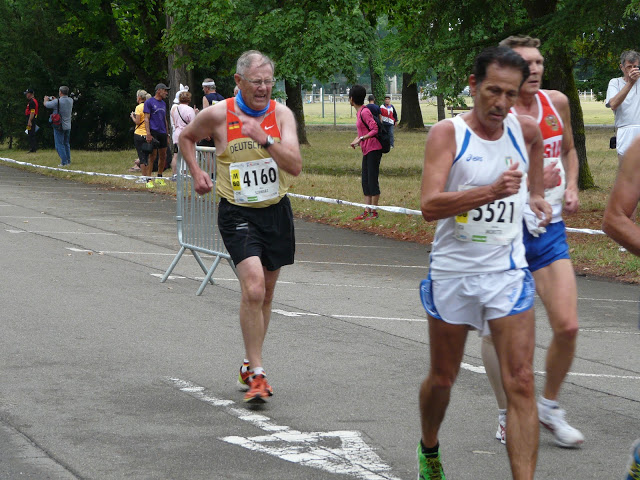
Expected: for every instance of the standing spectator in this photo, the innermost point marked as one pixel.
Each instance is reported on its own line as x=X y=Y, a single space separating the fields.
x=140 y=131
x=32 y=114
x=181 y=116
x=371 y=151
x=388 y=116
x=623 y=98
x=211 y=97
x=157 y=127
x=62 y=133
x=375 y=109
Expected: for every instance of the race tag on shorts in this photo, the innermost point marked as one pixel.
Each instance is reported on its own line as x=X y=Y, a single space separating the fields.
x=495 y=223
x=254 y=181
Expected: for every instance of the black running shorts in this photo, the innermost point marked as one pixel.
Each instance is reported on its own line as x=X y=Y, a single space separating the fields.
x=160 y=137
x=266 y=233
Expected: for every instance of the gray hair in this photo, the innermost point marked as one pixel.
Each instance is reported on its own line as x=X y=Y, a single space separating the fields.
x=629 y=56
x=249 y=57
x=141 y=94
x=64 y=90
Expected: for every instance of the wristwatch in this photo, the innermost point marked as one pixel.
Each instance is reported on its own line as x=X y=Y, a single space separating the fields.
x=362 y=138
x=270 y=141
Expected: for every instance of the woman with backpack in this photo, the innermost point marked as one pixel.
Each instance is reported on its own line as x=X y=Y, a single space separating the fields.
x=367 y=127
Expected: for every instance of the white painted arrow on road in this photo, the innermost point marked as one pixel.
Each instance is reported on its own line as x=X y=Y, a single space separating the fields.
x=351 y=456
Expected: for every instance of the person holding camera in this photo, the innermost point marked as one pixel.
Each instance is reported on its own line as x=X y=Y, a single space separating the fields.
x=623 y=98
x=60 y=119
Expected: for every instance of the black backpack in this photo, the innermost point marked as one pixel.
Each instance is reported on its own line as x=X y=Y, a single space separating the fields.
x=383 y=133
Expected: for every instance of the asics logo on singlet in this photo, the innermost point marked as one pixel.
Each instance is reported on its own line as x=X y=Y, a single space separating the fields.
x=473 y=158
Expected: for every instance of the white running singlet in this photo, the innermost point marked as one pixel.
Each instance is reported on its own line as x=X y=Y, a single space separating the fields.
x=489 y=238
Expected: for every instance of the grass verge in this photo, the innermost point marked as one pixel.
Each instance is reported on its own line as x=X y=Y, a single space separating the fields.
x=332 y=169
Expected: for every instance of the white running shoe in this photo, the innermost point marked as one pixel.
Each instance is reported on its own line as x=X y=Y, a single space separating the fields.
x=501 y=434
x=553 y=420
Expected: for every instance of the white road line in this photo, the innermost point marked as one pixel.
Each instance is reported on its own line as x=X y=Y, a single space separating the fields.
x=343 y=245
x=102 y=252
x=612 y=332
x=351 y=456
x=62 y=233
x=363 y=264
x=480 y=369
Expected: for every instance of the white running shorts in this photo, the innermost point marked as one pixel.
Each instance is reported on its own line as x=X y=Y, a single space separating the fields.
x=474 y=300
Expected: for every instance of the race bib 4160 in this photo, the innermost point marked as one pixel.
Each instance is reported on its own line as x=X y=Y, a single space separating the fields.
x=254 y=181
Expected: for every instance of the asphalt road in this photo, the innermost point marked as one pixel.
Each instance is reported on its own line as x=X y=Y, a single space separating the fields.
x=106 y=373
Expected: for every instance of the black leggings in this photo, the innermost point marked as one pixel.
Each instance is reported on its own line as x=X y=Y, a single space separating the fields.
x=138 y=141
x=370 y=173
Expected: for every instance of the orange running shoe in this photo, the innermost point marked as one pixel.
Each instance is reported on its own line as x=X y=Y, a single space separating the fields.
x=259 y=390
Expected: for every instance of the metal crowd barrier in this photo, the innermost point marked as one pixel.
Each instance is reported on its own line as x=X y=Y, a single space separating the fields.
x=196 y=217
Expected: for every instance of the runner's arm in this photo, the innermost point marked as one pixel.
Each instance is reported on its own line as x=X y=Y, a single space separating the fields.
x=201 y=127
x=439 y=154
x=569 y=155
x=535 y=147
x=286 y=153
x=618 y=223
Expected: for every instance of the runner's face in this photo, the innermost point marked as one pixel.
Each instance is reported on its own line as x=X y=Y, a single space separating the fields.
x=256 y=96
x=535 y=60
x=495 y=95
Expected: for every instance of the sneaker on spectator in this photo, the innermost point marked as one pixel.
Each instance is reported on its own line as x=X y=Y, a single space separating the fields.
x=150 y=183
x=362 y=216
x=259 y=389
x=160 y=181
x=553 y=420
x=373 y=215
x=501 y=434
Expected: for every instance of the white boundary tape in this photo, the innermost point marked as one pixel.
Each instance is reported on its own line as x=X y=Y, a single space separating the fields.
x=402 y=210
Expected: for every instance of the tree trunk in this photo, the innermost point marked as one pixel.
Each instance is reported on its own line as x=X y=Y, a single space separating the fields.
x=294 y=102
x=442 y=112
x=176 y=76
x=560 y=74
x=411 y=116
x=376 y=67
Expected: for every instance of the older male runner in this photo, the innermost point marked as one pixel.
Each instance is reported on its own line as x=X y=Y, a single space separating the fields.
x=474 y=184
x=548 y=253
x=258 y=153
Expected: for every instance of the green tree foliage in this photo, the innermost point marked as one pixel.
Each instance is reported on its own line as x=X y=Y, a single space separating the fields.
x=306 y=38
x=449 y=35
x=117 y=36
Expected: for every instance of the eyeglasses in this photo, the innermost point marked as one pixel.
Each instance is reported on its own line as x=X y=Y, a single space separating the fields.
x=256 y=83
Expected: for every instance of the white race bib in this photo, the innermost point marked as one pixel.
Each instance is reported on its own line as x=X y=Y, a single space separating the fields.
x=496 y=223
x=254 y=181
